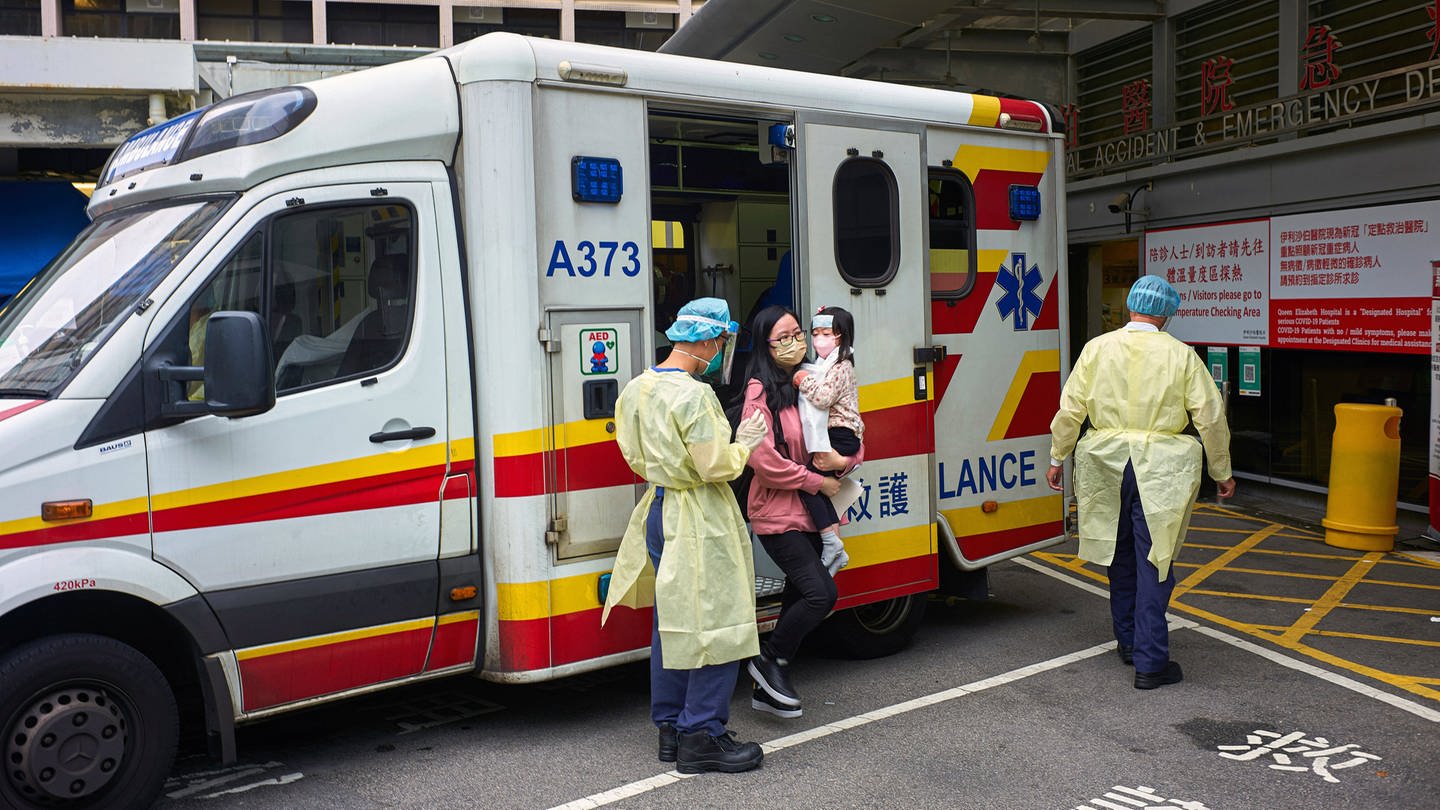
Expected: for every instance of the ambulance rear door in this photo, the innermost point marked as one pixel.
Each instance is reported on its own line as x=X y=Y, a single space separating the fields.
x=861 y=227
x=996 y=275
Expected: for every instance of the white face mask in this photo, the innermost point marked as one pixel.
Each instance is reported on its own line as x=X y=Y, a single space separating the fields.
x=824 y=344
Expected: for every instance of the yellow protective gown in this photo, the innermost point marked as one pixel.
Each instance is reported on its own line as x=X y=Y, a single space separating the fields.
x=673 y=433
x=1139 y=389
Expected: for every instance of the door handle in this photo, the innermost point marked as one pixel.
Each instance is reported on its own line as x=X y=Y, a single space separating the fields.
x=402 y=435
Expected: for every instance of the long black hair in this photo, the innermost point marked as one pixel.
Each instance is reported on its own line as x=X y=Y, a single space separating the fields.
x=844 y=327
x=780 y=392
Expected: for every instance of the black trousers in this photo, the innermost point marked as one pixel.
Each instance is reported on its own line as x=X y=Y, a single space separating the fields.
x=818 y=506
x=809 y=590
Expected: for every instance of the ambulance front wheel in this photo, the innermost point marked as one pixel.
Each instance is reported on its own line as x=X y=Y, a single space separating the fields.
x=88 y=722
x=874 y=630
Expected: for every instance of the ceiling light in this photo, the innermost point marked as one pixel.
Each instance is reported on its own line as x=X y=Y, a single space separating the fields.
x=767 y=55
x=822 y=18
x=794 y=38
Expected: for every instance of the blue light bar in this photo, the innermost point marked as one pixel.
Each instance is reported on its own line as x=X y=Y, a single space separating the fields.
x=596 y=179
x=1024 y=203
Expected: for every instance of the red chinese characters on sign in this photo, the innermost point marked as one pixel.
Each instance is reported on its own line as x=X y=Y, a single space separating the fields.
x=1135 y=106
x=1215 y=84
x=1319 y=55
x=1434 y=33
x=1071 y=115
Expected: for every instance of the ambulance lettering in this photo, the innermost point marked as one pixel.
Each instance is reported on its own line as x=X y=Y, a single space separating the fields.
x=990 y=473
x=590 y=257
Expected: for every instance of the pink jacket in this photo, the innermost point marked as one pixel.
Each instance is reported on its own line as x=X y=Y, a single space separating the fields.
x=773 y=505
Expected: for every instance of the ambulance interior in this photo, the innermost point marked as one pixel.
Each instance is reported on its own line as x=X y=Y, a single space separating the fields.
x=721 y=215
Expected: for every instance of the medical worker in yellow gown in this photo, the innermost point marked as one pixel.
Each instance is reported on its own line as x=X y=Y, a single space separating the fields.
x=1136 y=473
x=687 y=534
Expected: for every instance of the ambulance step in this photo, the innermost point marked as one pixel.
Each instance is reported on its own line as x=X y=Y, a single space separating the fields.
x=768 y=586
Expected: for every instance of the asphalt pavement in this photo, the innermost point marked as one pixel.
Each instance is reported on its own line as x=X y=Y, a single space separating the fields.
x=1312 y=680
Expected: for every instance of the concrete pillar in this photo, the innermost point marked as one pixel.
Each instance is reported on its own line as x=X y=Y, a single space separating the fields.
x=188 y=25
x=1294 y=25
x=687 y=10
x=447 y=23
x=318 y=34
x=49 y=18
x=567 y=20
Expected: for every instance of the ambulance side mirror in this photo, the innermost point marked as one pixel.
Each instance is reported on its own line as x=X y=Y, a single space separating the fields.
x=239 y=372
x=238 y=375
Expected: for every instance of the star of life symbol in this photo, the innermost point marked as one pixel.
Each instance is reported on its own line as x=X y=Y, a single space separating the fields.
x=1019 y=283
x=1318 y=750
x=1138 y=798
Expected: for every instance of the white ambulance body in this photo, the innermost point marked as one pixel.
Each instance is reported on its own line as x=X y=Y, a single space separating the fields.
x=321 y=402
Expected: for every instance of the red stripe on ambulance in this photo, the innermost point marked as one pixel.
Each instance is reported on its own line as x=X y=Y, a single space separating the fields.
x=285 y=677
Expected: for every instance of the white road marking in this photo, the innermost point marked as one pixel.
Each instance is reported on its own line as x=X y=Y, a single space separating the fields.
x=208 y=784
x=645 y=785
x=279 y=780
x=1273 y=655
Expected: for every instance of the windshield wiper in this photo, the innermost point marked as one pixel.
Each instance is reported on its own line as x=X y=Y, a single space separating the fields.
x=28 y=393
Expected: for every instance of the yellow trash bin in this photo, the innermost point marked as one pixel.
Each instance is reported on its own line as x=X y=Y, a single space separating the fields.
x=1364 y=478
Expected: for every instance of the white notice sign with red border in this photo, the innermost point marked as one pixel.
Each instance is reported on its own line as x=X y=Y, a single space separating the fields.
x=1356 y=280
x=1222 y=273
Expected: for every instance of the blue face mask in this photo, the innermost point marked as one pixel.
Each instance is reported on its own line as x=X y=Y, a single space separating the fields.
x=713 y=367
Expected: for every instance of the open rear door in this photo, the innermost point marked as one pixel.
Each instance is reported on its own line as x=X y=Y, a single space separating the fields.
x=862 y=235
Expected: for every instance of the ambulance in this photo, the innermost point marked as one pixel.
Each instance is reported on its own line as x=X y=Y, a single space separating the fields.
x=322 y=401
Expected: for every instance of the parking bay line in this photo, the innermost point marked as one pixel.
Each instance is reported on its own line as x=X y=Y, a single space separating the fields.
x=825 y=730
x=1272 y=655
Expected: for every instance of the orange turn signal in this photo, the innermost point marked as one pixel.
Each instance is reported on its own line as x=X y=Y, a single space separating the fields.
x=66 y=510
x=463 y=593
x=989 y=507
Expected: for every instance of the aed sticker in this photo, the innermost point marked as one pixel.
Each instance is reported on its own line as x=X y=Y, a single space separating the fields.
x=599 y=348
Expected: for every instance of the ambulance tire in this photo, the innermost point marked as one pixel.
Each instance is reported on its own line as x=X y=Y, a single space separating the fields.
x=872 y=631
x=92 y=708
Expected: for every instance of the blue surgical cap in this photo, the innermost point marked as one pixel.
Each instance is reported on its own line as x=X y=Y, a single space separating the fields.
x=702 y=319
x=1153 y=295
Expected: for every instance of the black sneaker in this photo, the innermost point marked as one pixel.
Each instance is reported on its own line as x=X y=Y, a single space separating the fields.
x=700 y=752
x=760 y=700
x=669 y=741
x=1150 y=680
x=770 y=675
x=1126 y=653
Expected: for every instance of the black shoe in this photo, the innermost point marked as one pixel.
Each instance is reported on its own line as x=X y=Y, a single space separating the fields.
x=1126 y=653
x=700 y=752
x=760 y=700
x=669 y=741
x=1150 y=680
x=770 y=675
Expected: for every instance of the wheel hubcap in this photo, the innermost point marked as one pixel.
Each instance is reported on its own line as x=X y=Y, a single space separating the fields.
x=883 y=617
x=67 y=744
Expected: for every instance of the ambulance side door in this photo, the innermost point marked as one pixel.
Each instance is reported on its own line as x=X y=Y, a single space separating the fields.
x=862 y=231
x=313 y=529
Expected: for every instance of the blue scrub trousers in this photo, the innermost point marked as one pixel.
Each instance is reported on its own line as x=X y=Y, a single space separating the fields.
x=1138 y=597
x=692 y=699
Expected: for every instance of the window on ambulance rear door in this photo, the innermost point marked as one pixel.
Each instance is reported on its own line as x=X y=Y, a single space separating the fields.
x=952 y=234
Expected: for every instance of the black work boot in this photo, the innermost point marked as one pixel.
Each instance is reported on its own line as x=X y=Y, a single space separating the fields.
x=1150 y=680
x=669 y=741
x=1126 y=652
x=769 y=674
x=700 y=752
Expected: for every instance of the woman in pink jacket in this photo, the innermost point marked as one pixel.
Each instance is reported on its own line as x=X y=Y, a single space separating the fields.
x=785 y=529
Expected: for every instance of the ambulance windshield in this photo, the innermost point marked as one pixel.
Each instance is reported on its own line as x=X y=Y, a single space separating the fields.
x=60 y=319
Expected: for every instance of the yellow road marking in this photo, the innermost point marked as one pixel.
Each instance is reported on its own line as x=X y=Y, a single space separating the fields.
x=1398 y=681
x=1387 y=639
x=1309 y=556
x=1300 y=601
x=1223 y=559
x=1247 y=531
x=1332 y=597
